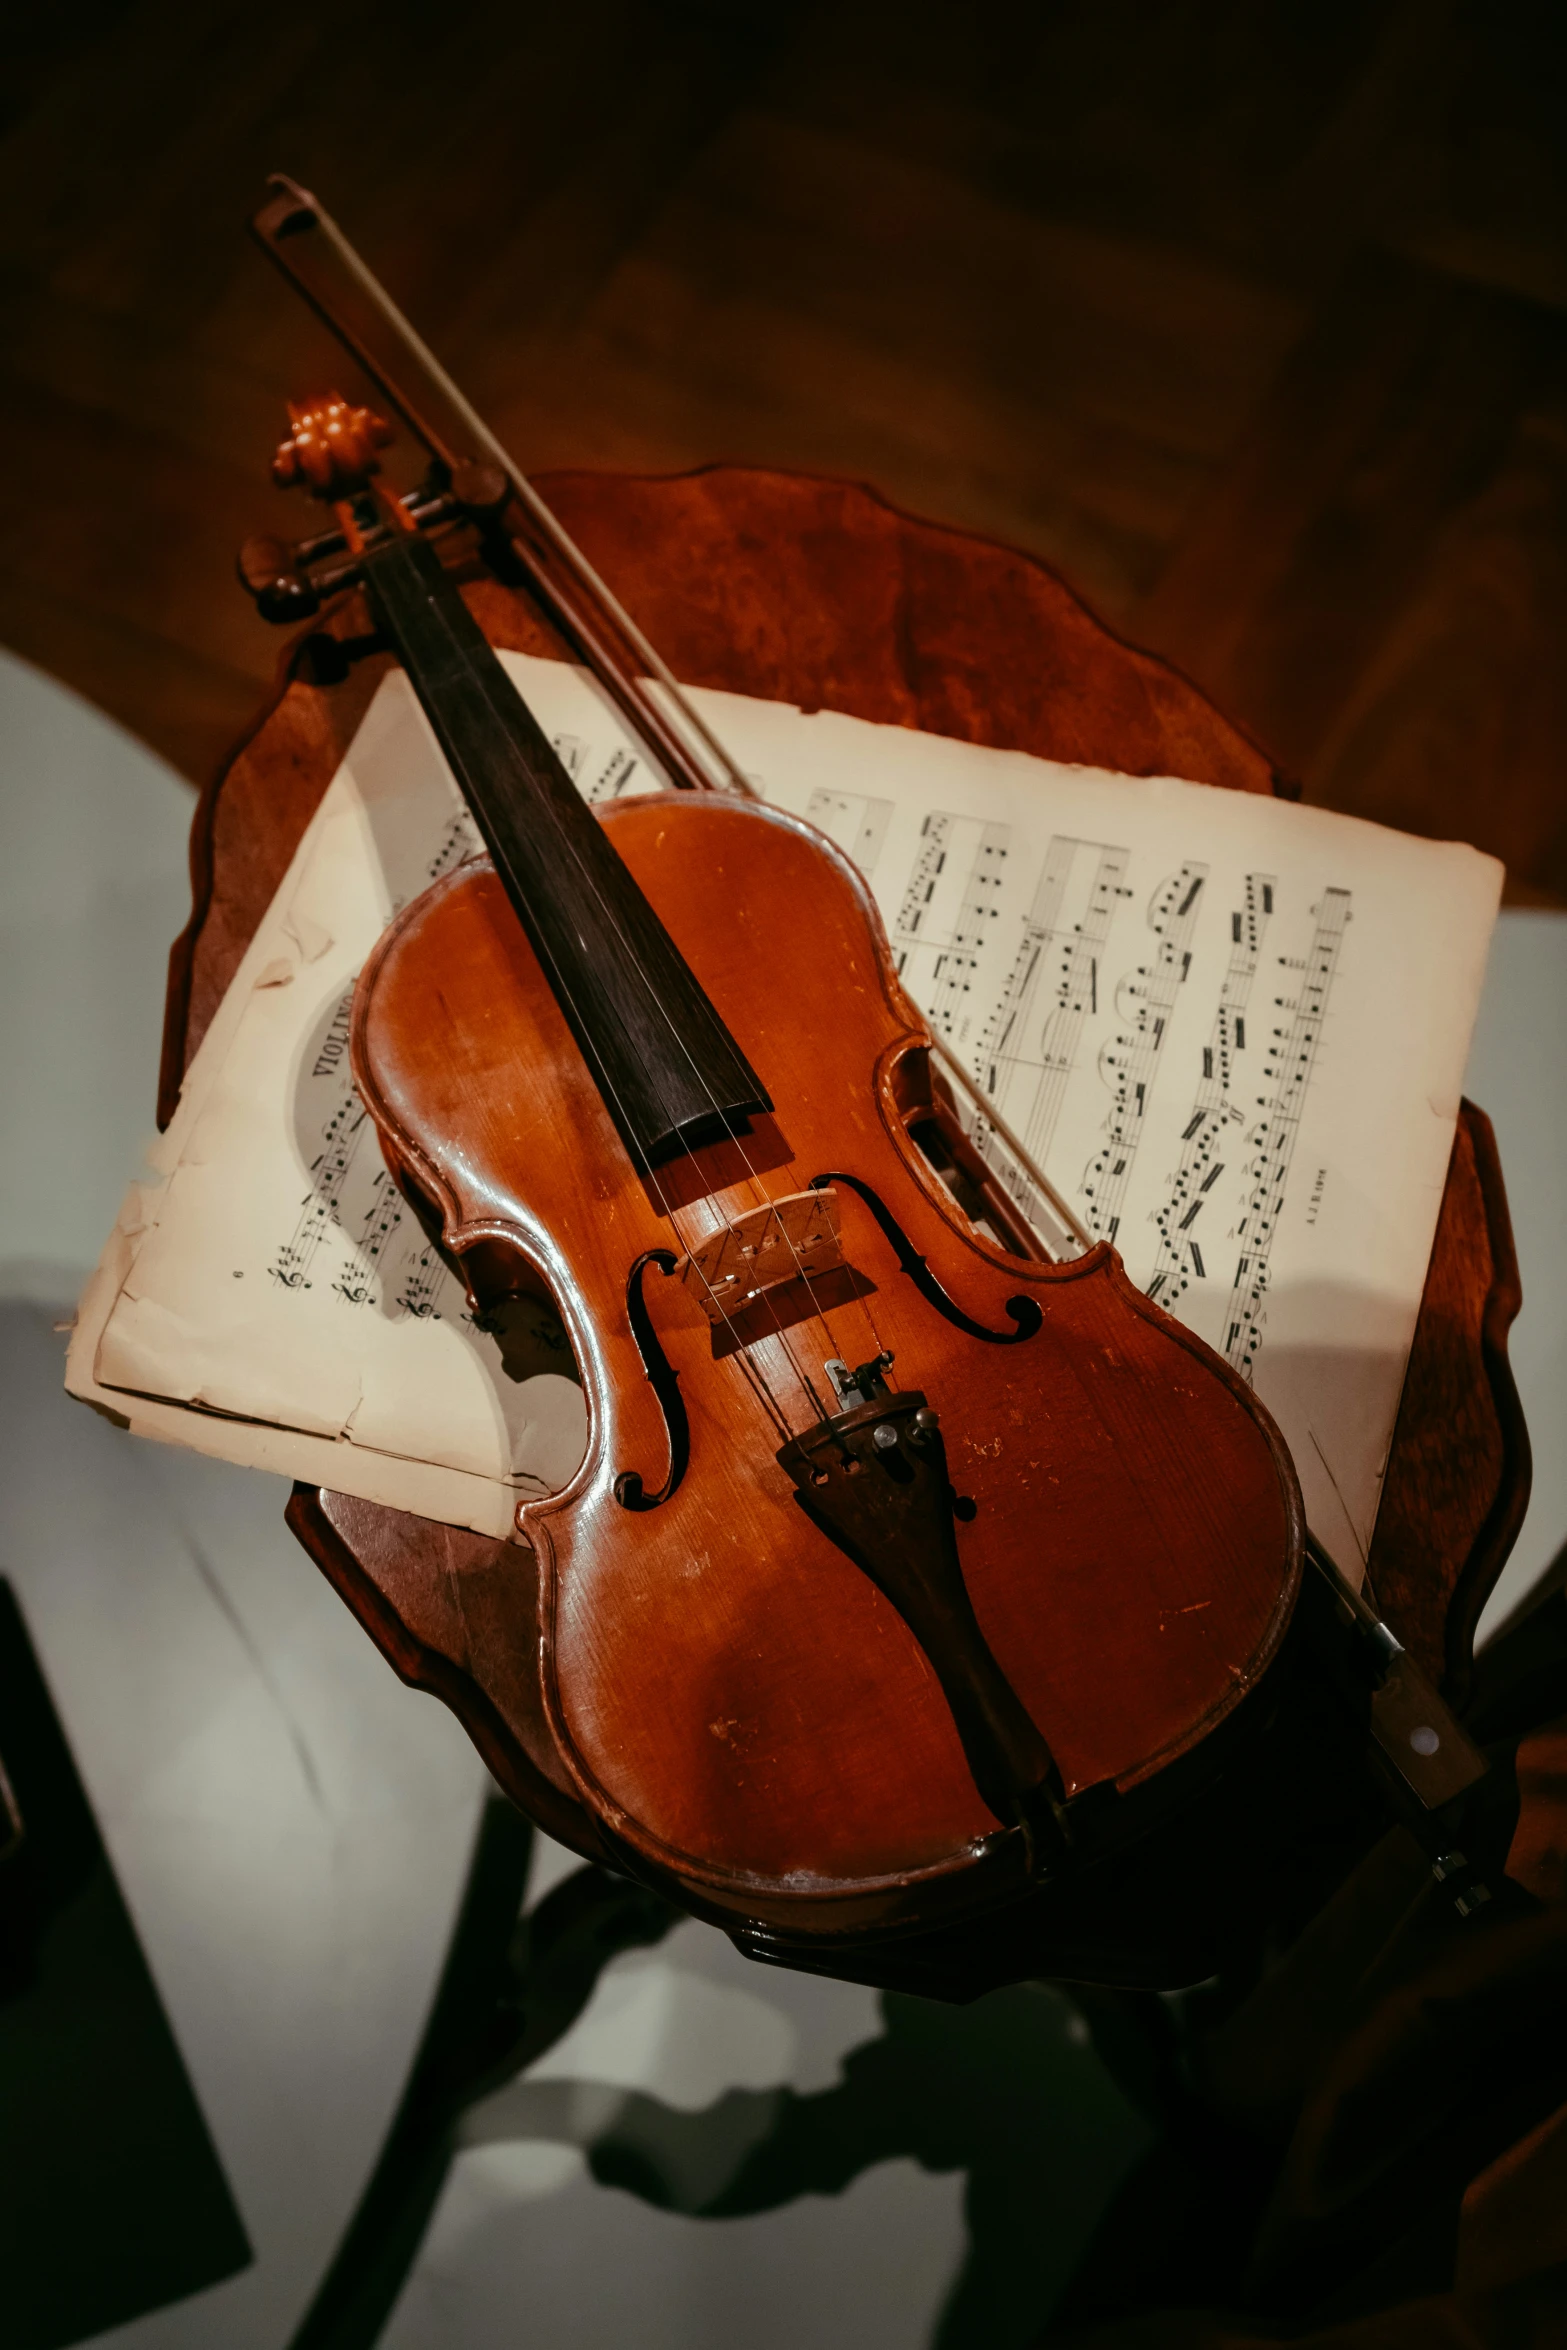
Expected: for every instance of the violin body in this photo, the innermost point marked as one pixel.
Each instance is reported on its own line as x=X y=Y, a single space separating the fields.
x=902 y=1563
x=748 y=1701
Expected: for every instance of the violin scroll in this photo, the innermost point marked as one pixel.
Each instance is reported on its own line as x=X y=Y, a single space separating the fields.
x=330 y=449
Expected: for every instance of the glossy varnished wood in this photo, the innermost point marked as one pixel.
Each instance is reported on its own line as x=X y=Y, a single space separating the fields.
x=735 y=1697
x=658 y=1052
x=819 y=593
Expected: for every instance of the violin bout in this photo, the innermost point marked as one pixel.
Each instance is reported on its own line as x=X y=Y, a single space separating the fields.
x=808 y=1693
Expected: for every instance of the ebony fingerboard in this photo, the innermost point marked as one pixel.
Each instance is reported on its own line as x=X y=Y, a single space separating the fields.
x=670 y=1073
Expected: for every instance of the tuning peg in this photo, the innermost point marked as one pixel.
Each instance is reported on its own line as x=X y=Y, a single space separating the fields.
x=482 y=491
x=271 y=570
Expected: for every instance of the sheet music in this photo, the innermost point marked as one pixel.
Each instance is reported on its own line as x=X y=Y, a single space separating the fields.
x=1231 y=1030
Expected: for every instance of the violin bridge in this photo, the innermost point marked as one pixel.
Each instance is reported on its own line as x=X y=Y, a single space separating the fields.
x=768 y=1245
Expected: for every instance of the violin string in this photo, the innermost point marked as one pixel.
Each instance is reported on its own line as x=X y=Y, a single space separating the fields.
x=752 y=1177
x=568 y=846
x=755 y=1376
x=650 y=1172
x=756 y=1379
x=456 y=647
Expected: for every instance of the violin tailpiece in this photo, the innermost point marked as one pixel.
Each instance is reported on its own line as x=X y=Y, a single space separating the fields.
x=874 y=1478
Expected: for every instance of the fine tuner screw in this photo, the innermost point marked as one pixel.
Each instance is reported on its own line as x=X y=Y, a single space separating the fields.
x=922 y=1428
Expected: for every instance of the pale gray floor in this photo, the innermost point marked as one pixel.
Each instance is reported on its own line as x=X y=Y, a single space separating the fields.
x=1518 y=1075
x=291 y=1827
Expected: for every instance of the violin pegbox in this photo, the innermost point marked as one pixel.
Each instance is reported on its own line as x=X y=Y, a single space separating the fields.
x=330 y=449
x=331 y=452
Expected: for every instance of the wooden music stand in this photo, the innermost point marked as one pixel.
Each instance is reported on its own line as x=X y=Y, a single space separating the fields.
x=818 y=593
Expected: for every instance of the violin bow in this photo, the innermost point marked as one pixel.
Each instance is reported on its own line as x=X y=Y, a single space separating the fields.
x=297 y=232
x=300 y=236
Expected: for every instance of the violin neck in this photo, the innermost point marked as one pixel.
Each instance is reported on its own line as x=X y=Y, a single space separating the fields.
x=670 y=1073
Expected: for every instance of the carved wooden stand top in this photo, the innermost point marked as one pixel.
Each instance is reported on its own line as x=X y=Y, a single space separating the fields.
x=817 y=593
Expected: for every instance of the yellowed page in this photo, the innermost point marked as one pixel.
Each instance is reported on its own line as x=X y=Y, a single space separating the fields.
x=1231 y=1029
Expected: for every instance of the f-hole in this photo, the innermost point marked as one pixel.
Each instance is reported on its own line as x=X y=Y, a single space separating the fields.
x=630 y=1491
x=1023 y=1312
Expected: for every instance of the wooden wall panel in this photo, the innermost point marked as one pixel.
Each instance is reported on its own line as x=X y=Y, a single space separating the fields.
x=1250 y=320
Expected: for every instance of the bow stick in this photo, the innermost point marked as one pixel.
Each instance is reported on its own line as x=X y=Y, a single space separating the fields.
x=297 y=232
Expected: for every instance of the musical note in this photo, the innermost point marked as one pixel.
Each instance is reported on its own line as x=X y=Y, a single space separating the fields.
x=1292 y=1054
x=1129 y=1063
x=292 y=1266
x=459 y=841
x=1205 y=1138
x=427 y=1286
x=1055 y=969
x=949 y=901
x=380 y=1223
x=613 y=778
x=856 y=821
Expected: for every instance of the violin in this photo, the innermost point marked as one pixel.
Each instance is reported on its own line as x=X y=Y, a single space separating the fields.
x=911 y=1561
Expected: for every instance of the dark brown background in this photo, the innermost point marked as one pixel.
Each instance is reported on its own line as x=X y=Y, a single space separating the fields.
x=1252 y=319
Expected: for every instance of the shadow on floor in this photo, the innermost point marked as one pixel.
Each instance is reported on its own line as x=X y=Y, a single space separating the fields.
x=115 y=2201
x=1008 y=2090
